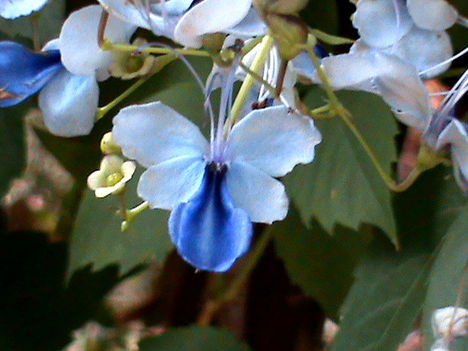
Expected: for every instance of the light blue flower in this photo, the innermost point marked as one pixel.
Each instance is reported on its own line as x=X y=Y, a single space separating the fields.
x=11 y=9
x=411 y=30
x=215 y=190
x=66 y=72
x=445 y=132
x=400 y=85
x=437 y=15
x=186 y=21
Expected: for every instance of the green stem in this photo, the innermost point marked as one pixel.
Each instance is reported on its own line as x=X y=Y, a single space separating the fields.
x=249 y=81
x=345 y=116
x=235 y=286
x=102 y=111
x=107 y=45
x=131 y=214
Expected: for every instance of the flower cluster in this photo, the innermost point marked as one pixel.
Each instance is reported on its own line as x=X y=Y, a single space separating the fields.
x=216 y=187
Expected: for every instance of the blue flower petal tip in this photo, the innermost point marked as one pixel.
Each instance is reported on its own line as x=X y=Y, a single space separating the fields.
x=23 y=72
x=208 y=231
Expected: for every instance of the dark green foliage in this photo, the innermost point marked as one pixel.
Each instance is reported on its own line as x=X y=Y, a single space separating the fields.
x=37 y=311
x=322 y=265
x=390 y=288
x=194 y=339
x=98 y=240
x=12 y=144
x=342 y=186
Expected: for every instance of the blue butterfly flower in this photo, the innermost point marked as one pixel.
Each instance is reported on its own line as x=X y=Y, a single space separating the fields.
x=66 y=72
x=215 y=189
x=186 y=21
x=413 y=30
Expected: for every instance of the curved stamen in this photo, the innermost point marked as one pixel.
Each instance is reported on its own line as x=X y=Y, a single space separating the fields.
x=461 y=53
x=226 y=101
x=397 y=13
x=455 y=94
x=207 y=102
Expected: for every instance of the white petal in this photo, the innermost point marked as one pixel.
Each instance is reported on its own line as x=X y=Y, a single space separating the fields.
x=302 y=65
x=460 y=159
x=274 y=140
x=210 y=16
x=68 y=103
x=252 y=25
x=96 y=180
x=52 y=45
x=128 y=169
x=127 y=12
x=401 y=87
x=432 y=14
x=154 y=133
x=172 y=7
x=349 y=71
x=261 y=196
x=79 y=40
x=171 y=182
x=382 y=23
x=456 y=135
x=12 y=9
x=424 y=49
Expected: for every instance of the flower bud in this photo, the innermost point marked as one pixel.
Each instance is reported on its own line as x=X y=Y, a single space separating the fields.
x=450 y=322
x=108 y=145
x=213 y=42
x=283 y=7
x=427 y=159
x=129 y=65
x=290 y=34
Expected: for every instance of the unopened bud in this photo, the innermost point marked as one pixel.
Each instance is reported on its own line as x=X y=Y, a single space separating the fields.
x=282 y=7
x=213 y=42
x=129 y=65
x=290 y=34
x=108 y=145
x=427 y=159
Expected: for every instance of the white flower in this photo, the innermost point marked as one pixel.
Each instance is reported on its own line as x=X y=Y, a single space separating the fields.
x=112 y=176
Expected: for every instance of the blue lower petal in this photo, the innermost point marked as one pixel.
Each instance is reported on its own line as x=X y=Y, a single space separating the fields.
x=208 y=231
x=23 y=72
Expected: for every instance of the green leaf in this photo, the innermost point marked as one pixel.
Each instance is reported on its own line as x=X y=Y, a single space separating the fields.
x=12 y=157
x=390 y=286
x=50 y=20
x=98 y=240
x=384 y=301
x=79 y=156
x=446 y=279
x=321 y=265
x=341 y=186
x=193 y=339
